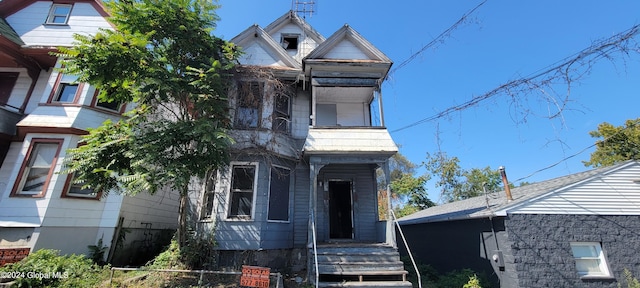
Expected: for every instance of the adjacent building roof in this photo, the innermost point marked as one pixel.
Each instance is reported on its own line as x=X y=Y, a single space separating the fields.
x=7 y=32
x=613 y=190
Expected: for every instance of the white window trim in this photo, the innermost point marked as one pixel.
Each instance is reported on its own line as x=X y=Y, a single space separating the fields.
x=269 y=196
x=604 y=266
x=51 y=15
x=229 y=192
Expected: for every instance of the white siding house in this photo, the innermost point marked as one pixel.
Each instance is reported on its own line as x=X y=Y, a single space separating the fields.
x=42 y=114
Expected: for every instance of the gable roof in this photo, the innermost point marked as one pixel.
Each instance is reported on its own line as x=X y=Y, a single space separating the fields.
x=346 y=33
x=259 y=39
x=8 y=7
x=570 y=192
x=292 y=18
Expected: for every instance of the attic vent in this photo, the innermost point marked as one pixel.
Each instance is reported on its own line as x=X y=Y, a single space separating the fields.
x=290 y=41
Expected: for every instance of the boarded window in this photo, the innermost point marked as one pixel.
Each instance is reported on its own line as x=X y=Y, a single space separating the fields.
x=249 y=104
x=279 y=194
x=242 y=191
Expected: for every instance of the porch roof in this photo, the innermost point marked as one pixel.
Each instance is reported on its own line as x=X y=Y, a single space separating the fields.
x=349 y=141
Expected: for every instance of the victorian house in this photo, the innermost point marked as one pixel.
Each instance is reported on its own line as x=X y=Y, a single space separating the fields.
x=301 y=190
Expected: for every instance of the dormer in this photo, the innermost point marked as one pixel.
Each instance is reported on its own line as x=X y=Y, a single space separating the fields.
x=294 y=35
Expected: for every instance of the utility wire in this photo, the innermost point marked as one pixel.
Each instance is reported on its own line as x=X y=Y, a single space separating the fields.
x=598 y=50
x=439 y=39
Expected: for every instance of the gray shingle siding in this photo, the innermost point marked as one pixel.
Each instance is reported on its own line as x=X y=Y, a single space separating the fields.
x=542 y=254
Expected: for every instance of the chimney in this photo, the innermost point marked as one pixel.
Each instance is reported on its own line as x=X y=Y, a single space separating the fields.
x=505 y=182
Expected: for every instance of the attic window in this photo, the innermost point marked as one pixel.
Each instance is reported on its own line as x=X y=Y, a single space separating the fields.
x=59 y=14
x=290 y=41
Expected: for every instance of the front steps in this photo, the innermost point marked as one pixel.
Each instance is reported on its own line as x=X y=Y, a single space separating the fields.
x=359 y=265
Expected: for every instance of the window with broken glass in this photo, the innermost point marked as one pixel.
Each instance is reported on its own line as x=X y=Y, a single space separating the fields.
x=249 y=104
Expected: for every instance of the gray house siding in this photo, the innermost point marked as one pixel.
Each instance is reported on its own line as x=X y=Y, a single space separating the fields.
x=365 y=214
x=301 y=205
x=542 y=253
x=258 y=232
x=463 y=244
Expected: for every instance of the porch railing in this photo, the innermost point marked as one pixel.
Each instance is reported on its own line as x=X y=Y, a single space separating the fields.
x=406 y=245
x=312 y=223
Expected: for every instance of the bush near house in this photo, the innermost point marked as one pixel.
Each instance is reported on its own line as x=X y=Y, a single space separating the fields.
x=47 y=268
x=465 y=278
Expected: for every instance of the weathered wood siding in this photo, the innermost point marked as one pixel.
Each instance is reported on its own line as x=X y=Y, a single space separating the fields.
x=257 y=232
x=365 y=214
x=301 y=206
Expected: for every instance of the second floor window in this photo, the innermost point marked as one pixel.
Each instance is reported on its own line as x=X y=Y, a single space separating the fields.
x=66 y=89
x=249 y=104
x=282 y=113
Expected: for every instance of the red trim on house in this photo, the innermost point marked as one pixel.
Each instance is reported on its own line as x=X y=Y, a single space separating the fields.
x=24 y=130
x=9 y=7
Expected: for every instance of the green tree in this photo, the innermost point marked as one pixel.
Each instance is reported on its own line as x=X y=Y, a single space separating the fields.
x=412 y=191
x=615 y=144
x=458 y=184
x=163 y=57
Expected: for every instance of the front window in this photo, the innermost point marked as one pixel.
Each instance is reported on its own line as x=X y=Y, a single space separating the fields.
x=243 y=184
x=38 y=167
x=59 y=14
x=249 y=104
x=590 y=260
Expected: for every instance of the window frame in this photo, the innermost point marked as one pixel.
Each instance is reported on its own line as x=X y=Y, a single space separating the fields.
x=57 y=89
x=18 y=185
x=52 y=16
x=237 y=123
x=284 y=40
x=208 y=196
x=288 y=193
x=281 y=115
x=68 y=184
x=600 y=259
x=96 y=101
x=228 y=208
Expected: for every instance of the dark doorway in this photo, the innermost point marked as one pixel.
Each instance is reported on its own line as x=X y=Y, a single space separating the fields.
x=340 y=213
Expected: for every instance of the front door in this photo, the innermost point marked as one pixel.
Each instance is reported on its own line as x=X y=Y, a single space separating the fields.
x=340 y=210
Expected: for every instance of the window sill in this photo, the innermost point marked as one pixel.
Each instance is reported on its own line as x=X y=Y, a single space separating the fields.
x=597 y=277
x=56 y=24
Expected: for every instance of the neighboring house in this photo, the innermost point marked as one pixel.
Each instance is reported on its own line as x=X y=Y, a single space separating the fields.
x=309 y=137
x=42 y=114
x=580 y=230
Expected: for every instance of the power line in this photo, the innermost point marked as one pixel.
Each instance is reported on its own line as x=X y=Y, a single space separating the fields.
x=562 y=71
x=439 y=39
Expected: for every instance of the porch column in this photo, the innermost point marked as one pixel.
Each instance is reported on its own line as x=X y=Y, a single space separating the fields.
x=391 y=231
x=314 y=169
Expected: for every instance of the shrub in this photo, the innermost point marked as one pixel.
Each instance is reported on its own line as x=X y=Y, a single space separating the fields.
x=46 y=268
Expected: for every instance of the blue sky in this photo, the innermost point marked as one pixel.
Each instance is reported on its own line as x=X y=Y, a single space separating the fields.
x=502 y=41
